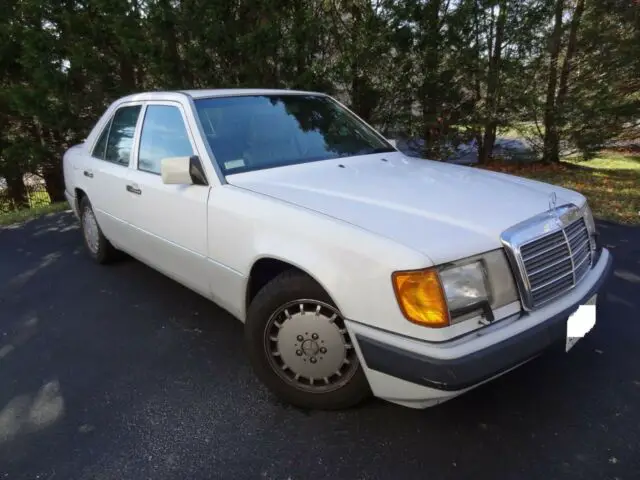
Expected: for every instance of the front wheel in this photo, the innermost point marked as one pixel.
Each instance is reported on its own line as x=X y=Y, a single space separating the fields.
x=299 y=346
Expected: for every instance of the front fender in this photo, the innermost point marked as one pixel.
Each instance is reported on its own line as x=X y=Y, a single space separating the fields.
x=353 y=265
x=323 y=268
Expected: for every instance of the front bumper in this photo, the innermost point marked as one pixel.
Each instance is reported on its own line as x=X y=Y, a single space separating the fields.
x=441 y=366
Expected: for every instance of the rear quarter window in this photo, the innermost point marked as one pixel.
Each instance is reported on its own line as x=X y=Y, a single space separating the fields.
x=101 y=145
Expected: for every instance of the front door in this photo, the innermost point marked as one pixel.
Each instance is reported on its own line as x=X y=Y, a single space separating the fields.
x=170 y=221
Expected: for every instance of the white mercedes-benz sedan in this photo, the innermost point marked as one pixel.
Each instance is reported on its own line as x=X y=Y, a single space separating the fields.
x=355 y=269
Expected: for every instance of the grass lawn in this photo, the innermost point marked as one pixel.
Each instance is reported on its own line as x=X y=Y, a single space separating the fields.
x=611 y=182
x=24 y=214
x=518 y=130
x=39 y=204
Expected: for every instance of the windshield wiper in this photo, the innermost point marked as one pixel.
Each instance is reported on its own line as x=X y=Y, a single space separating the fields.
x=383 y=150
x=370 y=151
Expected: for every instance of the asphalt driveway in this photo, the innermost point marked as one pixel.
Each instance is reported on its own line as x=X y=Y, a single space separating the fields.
x=120 y=373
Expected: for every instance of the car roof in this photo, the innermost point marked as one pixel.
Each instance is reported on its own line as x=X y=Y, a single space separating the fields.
x=210 y=93
x=243 y=91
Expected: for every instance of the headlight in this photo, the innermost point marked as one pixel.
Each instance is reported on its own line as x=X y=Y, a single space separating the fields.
x=439 y=296
x=465 y=287
x=591 y=225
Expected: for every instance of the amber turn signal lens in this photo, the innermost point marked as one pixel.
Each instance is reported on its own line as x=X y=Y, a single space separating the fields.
x=421 y=297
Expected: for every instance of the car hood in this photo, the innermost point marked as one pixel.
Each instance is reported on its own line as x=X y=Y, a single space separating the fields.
x=444 y=211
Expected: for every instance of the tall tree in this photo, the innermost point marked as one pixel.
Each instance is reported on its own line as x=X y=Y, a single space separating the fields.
x=554 y=114
x=10 y=73
x=445 y=71
x=493 y=84
x=603 y=96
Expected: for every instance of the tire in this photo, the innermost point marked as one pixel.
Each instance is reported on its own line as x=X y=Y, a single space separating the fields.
x=310 y=340
x=96 y=244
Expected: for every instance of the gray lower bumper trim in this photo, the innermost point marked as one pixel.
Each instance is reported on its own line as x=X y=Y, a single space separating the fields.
x=459 y=373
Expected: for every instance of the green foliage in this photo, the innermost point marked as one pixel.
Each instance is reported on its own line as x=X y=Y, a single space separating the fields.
x=605 y=92
x=13 y=217
x=411 y=67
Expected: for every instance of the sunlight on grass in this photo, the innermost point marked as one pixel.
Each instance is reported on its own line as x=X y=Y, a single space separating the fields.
x=39 y=198
x=610 y=161
x=36 y=198
x=22 y=215
x=521 y=129
x=611 y=182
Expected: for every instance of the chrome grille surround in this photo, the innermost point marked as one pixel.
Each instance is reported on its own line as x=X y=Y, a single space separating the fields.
x=549 y=254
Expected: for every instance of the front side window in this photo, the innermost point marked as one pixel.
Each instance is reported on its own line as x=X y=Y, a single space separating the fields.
x=266 y=131
x=120 y=142
x=163 y=135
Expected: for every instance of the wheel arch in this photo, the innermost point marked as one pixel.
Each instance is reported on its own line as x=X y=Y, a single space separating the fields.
x=266 y=267
x=80 y=194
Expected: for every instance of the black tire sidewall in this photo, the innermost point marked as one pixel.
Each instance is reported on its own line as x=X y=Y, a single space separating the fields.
x=286 y=287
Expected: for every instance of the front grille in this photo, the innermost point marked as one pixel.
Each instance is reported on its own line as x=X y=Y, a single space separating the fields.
x=556 y=262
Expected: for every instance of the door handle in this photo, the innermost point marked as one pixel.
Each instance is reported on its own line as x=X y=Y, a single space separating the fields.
x=88 y=173
x=132 y=189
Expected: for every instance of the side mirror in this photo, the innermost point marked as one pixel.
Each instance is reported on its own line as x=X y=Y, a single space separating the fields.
x=394 y=143
x=182 y=171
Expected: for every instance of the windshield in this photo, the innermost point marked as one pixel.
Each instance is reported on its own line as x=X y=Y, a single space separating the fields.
x=264 y=131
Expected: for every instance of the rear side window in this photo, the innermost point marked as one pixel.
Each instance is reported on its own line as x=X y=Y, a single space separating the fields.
x=120 y=138
x=163 y=135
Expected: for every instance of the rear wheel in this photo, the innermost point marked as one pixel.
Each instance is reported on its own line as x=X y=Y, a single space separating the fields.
x=99 y=248
x=299 y=346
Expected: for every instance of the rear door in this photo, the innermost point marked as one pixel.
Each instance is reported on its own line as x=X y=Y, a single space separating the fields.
x=105 y=173
x=169 y=221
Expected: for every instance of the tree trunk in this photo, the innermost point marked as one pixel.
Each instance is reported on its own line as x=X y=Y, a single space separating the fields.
x=364 y=97
x=300 y=42
x=485 y=151
x=429 y=92
x=478 y=70
x=54 y=182
x=172 y=62
x=493 y=83
x=16 y=190
x=551 y=141
x=127 y=75
x=566 y=66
